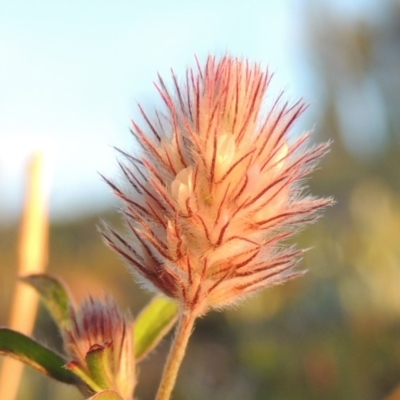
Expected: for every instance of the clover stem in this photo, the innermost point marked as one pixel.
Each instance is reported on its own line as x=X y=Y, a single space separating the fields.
x=175 y=357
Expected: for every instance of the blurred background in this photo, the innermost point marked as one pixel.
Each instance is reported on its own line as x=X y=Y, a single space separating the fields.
x=70 y=76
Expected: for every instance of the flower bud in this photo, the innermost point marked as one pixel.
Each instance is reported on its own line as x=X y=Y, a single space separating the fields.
x=100 y=345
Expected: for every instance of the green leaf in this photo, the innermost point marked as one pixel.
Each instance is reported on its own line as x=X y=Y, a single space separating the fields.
x=106 y=395
x=153 y=323
x=54 y=295
x=25 y=349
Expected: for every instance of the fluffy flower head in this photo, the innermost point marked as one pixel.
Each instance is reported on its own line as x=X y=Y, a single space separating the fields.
x=216 y=188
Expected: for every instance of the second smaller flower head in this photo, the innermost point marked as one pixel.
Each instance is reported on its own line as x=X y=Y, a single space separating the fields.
x=100 y=345
x=216 y=189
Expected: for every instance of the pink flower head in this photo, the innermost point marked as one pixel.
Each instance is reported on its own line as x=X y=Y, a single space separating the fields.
x=216 y=188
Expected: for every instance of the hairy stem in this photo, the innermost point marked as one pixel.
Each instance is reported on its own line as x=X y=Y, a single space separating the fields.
x=176 y=354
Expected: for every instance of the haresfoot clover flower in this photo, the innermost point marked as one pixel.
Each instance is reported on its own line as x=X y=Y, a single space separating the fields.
x=216 y=189
x=99 y=344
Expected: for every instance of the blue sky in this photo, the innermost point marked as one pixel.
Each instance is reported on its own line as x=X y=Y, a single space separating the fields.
x=72 y=71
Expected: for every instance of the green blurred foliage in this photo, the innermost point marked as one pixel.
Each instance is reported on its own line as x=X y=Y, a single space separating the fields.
x=333 y=334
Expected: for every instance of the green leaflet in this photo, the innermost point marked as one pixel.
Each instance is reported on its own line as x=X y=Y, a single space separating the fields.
x=153 y=323
x=54 y=295
x=97 y=360
x=25 y=349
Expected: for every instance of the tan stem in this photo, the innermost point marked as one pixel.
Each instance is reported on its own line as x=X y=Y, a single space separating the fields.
x=175 y=357
x=33 y=254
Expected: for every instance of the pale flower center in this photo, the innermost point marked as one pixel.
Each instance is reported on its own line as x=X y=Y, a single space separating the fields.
x=182 y=186
x=226 y=149
x=280 y=156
